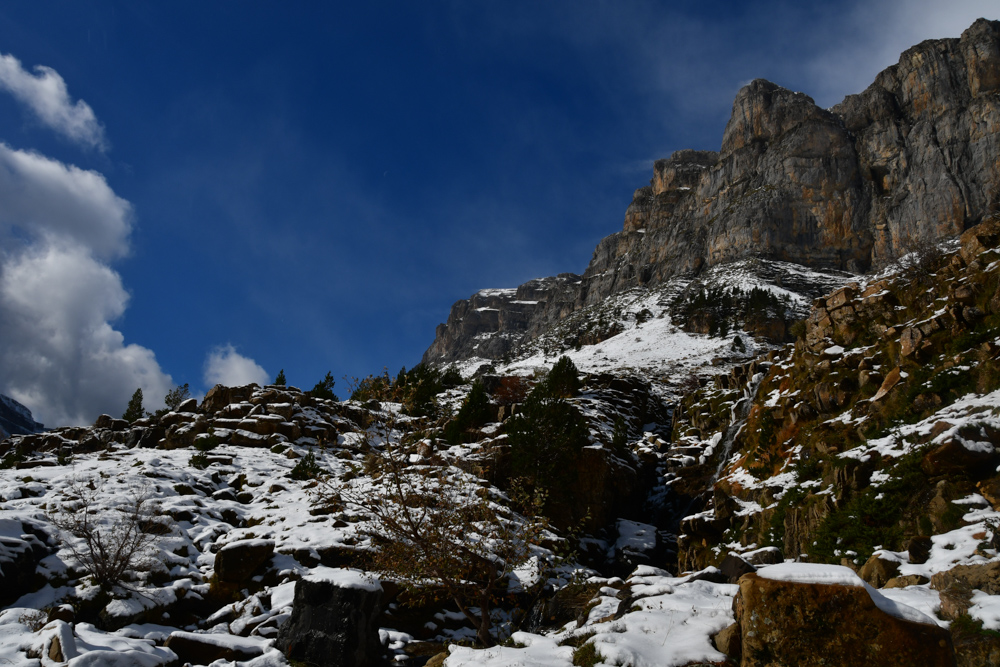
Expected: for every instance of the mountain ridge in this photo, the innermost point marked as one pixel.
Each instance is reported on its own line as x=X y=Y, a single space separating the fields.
x=906 y=161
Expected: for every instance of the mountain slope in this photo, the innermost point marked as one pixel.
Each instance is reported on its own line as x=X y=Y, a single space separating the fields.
x=910 y=159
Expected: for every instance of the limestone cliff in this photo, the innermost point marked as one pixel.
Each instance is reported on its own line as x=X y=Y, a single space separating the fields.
x=912 y=158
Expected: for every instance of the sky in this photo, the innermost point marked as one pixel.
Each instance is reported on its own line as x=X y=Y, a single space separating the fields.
x=204 y=192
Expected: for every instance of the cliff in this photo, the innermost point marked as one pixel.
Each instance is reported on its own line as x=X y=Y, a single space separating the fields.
x=15 y=419
x=910 y=159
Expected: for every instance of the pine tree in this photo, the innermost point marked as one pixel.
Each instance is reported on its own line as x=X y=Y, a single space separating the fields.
x=134 y=410
x=177 y=395
x=280 y=380
x=324 y=388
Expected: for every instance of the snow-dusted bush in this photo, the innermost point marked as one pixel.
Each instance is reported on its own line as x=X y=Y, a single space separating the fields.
x=111 y=543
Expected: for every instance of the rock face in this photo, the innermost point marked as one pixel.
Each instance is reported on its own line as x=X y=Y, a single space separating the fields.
x=15 y=419
x=333 y=624
x=910 y=159
x=804 y=624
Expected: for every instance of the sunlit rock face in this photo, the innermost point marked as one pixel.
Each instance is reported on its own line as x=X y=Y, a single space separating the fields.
x=912 y=158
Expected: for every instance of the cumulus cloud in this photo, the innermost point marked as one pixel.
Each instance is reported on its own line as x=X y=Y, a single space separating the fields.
x=45 y=93
x=48 y=200
x=61 y=356
x=226 y=366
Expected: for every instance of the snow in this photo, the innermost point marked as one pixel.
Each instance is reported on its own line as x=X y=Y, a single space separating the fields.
x=539 y=651
x=812 y=573
x=986 y=608
x=244 y=644
x=838 y=575
x=670 y=623
x=344 y=578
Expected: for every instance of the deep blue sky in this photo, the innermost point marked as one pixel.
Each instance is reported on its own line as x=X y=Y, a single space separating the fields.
x=316 y=183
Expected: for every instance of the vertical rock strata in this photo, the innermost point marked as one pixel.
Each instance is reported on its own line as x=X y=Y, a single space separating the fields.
x=912 y=158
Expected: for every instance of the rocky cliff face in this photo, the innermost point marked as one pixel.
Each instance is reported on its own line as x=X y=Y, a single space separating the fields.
x=15 y=419
x=910 y=159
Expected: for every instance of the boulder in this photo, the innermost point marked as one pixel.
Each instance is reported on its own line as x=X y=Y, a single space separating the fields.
x=878 y=570
x=728 y=641
x=334 y=620
x=956 y=586
x=203 y=649
x=238 y=561
x=804 y=615
x=219 y=397
x=966 y=450
x=734 y=567
x=19 y=556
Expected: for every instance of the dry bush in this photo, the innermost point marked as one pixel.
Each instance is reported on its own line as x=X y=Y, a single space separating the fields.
x=435 y=529
x=112 y=544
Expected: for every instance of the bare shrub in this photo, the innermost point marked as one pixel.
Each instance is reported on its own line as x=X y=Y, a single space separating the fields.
x=112 y=544
x=435 y=529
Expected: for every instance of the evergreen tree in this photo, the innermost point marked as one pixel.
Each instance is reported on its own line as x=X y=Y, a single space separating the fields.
x=563 y=381
x=280 y=380
x=134 y=410
x=475 y=413
x=177 y=395
x=324 y=388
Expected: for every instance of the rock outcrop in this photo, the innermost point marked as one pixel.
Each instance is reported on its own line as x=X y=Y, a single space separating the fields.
x=804 y=623
x=334 y=621
x=910 y=159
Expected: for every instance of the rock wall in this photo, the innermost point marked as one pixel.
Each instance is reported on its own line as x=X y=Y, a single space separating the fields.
x=910 y=159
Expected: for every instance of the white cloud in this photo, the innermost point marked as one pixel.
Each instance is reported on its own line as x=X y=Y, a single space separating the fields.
x=875 y=34
x=60 y=354
x=226 y=366
x=45 y=93
x=45 y=199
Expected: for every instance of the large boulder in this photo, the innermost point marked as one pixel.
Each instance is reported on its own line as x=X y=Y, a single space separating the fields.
x=19 y=556
x=238 y=561
x=334 y=620
x=806 y=614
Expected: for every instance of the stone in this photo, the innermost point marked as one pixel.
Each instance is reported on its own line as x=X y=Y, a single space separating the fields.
x=969 y=451
x=190 y=405
x=980 y=238
x=764 y=556
x=891 y=380
x=734 y=567
x=238 y=561
x=333 y=624
x=202 y=649
x=907 y=580
x=878 y=570
x=979 y=576
x=919 y=549
x=437 y=660
x=19 y=556
x=910 y=340
x=808 y=624
x=219 y=396
x=728 y=641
